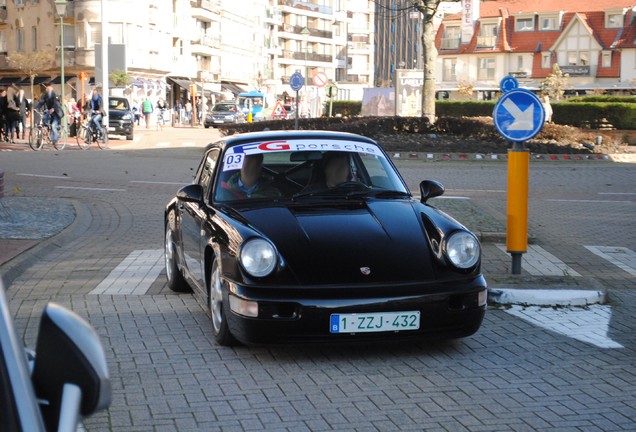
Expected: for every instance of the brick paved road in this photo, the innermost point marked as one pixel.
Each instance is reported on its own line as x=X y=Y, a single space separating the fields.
x=169 y=375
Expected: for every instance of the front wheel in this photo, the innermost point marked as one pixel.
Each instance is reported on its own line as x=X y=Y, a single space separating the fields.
x=100 y=139
x=62 y=139
x=217 y=308
x=176 y=281
x=36 y=140
x=82 y=137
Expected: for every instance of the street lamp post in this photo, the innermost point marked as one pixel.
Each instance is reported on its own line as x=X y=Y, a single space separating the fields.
x=305 y=32
x=60 y=7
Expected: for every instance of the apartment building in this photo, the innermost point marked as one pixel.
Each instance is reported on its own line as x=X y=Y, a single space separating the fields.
x=591 y=40
x=220 y=46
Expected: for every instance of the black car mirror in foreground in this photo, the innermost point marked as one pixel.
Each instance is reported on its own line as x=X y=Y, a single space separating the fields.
x=70 y=378
x=191 y=193
x=430 y=189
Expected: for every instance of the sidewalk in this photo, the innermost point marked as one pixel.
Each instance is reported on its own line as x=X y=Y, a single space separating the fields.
x=30 y=227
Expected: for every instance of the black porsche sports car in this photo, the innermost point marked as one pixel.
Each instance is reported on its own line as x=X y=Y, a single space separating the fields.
x=305 y=236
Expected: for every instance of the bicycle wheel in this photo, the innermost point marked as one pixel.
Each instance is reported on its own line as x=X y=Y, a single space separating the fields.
x=36 y=140
x=62 y=139
x=100 y=139
x=83 y=137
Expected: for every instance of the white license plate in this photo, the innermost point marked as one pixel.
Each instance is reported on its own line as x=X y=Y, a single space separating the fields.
x=374 y=322
x=218 y=121
x=111 y=129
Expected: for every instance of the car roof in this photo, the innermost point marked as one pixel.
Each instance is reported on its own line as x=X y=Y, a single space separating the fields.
x=232 y=140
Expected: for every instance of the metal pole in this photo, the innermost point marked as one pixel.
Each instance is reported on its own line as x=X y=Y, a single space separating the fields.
x=64 y=119
x=105 y=68
x=296 y=110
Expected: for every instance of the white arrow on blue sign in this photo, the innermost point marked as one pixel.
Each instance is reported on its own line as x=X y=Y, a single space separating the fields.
x=518 y=115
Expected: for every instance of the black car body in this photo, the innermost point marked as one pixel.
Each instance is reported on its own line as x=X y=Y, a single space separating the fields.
x=224 y=113
x=120 y=117
x=304 y=262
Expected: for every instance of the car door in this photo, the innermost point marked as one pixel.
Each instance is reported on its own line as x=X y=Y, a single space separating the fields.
x=193 y=215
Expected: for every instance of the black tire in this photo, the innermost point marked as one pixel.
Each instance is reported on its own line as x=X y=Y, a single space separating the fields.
x=62 y=139
x=176 y=281
x=101 y=140
x=218 y=309
x=129 y=137
x=36 y=140
x=206 y=126
x=83 y=138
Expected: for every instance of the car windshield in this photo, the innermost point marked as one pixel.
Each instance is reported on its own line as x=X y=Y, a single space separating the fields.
x=224 y=108
x=302 y=169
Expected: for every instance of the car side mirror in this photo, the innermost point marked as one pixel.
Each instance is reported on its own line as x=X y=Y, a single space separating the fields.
x=430 y=189
x=191 y=193
x=70 y=373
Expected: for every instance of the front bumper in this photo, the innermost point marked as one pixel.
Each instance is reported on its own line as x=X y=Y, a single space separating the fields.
x=120 y=127
x=284 y=316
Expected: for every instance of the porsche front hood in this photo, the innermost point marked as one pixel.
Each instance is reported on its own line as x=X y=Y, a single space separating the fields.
x=345 y=243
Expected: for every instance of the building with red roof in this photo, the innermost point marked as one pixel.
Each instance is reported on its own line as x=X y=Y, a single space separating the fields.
x=594 y=41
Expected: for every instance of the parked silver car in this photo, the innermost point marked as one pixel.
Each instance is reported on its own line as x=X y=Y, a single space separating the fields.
x=224 y=113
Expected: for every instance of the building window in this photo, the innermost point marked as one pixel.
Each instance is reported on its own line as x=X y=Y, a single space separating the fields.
x=614 y=20
x=116 y=32
x=451 y=37
x=19 y=40
x=548 y=23
x=487 y=36
x=578 y=58
x=34 y=38
x=19 y=3
x=486 y=69
x=95 y=34
x=449 y=71
x=606 y=59
x=546 y=60
x=524 y=24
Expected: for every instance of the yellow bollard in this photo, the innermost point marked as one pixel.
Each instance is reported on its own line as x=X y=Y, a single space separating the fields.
x=249 y=117
x=517 y=212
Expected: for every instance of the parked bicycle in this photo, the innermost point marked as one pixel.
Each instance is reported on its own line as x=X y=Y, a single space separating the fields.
x=161 y=118
x=87 y=133
x=42 y=132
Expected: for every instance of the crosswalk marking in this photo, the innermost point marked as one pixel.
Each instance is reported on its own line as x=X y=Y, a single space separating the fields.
x=539 y=262
x=134 y=275
x=621 y=257
x=589 y=324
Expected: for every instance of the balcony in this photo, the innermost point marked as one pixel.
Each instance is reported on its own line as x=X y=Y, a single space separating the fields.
x=288 y=28
x=209 y=5
x=306 y=5
x=486 y=41
x=295 y=55
x=204 y=11
x=450 y=43
x=205 y=45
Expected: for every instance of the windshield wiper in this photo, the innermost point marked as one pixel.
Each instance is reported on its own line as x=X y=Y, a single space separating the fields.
x=380 y=193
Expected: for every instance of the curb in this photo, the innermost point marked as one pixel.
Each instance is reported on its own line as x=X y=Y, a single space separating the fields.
x=12 y=269
x=499 y=157
x=545 y=297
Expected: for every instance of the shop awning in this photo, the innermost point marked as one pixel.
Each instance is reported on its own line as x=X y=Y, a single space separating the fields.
x=232 y=88
x=184 y=83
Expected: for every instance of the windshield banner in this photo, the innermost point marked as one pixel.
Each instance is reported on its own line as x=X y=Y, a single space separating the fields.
x=305 y=145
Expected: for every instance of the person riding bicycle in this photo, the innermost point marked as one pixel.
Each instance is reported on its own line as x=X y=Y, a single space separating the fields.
x=53 y=111
x=162 y=106
x=97 y=112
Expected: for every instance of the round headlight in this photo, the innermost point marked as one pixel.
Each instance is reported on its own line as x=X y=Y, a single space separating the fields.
x=258 y=257
x=462 y=249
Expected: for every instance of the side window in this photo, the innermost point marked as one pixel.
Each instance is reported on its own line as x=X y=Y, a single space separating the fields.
x=207 y=171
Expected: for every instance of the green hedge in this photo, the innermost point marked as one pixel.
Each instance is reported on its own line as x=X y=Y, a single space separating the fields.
x=601 y=98
x=464 y=108
x=594 y=115
x=583 y=114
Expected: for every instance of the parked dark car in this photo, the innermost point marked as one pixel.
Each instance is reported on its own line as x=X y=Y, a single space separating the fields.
x=223 y=113
x=304 y=236
x=69 y=378
x=120 y=117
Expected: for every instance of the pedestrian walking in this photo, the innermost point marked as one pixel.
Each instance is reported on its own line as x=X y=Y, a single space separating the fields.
x=25 y=108
x=12 y=113
x=147 y=109
x=188 y=112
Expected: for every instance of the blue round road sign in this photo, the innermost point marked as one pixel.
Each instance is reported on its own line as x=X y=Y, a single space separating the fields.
x=296 y=81
x=518 y=115
x=508 y=83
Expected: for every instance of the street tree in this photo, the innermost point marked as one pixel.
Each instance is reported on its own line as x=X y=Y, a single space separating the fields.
x=554 y=84
x=31 y=64
x=120 y=78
